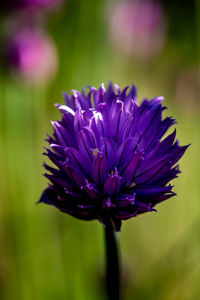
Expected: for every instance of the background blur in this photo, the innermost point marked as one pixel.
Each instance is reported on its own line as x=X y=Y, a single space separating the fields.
x=45 y=254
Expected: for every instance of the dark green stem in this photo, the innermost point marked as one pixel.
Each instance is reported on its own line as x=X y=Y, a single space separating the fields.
x=112 y=264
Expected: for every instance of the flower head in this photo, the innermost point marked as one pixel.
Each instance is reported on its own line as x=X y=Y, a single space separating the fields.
x=137 y=27
x=111 y=161
x=36 y=5
x=31 y=54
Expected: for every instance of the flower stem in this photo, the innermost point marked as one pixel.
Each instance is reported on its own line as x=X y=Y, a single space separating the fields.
x=112 y=263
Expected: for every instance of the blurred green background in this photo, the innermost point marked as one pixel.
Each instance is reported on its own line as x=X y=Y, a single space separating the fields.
x=45 y=254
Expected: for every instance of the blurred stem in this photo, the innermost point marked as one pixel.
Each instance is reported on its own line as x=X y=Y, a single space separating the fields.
x=112 y=263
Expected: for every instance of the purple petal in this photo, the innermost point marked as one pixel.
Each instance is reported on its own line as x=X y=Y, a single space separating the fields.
x=74 y=174
x=98 y=95
x=125 y=200
x=112 y=184
x=141 y=207
x=68 y=101
x=58 y=180
x=107 y=204
x=66 y=109
x=48 y=196
x=126 y=149
x=78 y=159
x=128 y=171
x=60 y=134
x=81 y=101
x=109 y=152
x=83 y=144
x=80 y=120
x=91 y=190
x=99 y=169
x=109 y=95
x=59 y=150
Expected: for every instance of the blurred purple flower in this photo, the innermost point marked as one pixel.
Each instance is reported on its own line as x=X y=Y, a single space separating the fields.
x=111 y=160
x=31 y=55
x=41 y=3
x=29 y=4
x=137 y=27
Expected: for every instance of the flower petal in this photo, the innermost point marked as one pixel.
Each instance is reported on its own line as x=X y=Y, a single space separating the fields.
x=125 y=200
x=112 y=184
x=128 y=171
x=91 y=190
x=99 y=169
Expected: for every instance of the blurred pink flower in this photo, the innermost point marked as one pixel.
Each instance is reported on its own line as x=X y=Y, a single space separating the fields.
x=31 y=55
x=137 y=27
x=43 y=4
x=29 y=4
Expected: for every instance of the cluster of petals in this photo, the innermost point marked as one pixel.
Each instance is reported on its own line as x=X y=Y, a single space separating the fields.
x=110 y=159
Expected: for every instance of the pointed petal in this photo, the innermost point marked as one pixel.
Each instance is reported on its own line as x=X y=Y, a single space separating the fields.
x=110 y=154
x=109 y=95
x=59 y=181
x=97 y=94
x=58 y=149
x=126 y=149
x=68 y=101
x=167 y=142
x=122 y=95
x=112 y=184
x=80 y=120
x=60 y=133
x=128 y=171
x=141 y=207
x=91 y=190
x=81 y=100
x=78 y=159
x=99 y=170
x=66 y=109
x=125 y=200
x=107 y=204
x=74 y=174
x=48 y=196
x=84 y=146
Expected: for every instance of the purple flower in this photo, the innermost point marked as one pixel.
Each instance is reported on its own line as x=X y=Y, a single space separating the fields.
x=111 y=160
x=137 y=27
x=40 y=3
x=29 y=4
x=31 y=55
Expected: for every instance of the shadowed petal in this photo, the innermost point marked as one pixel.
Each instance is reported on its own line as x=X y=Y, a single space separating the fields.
x=112 y=184
x=80 y=120
x=48 y=196
x=84 y=145
x=128 y=171
x=99 y=169
x=68 y=101
x=126 y=150
x=74 y=174
x=107 y=204
x=78 y=159
x=125 y=200
x=60 y=134
x=109 y=95
x=91 y=190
